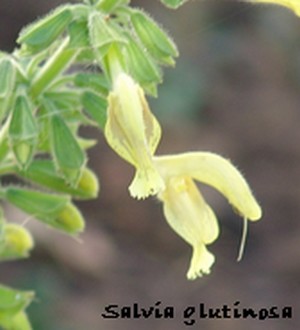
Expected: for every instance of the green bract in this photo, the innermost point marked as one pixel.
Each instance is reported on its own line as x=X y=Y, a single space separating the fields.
x=141 y=66
x=12 y=303
x=39 y=204
x=23 y=130
x=55 y=210
x=39 y=35
x=7 y=84
x=103 y=33
x=95 y=106
x=173 y=3
x=43 y=173
x=66 y=151
x=156 y=41
x=95 y=81
x=108 y=6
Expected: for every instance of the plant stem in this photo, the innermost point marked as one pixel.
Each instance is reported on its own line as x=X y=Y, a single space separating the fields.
x=60 y=61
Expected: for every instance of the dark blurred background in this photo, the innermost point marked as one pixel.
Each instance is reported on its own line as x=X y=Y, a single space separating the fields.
x=234 y=91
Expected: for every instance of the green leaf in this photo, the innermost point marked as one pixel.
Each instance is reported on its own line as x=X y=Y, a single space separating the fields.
x=4 y=143
x=13 y=302
x=95 y=81
x=79 y=34
x=8 y=77
x=40 y=34
x=96 y=107
x=157 y=42
x=23 y=130
x=174 y=4
x=67 y=153
x=54 y=210
x=103 y=33
x=23 y=125
x=64 y=99
x=140 y=64
x=7 y=84
x=43 y=173
x=39 y=204
x=18 y=322
x=108 y=6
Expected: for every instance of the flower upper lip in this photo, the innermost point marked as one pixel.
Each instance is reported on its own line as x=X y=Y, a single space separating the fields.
x=216 y=171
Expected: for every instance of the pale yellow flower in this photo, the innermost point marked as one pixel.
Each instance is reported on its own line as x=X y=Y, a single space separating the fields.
x=134 y=133
x=294 y=5
x=186 y=210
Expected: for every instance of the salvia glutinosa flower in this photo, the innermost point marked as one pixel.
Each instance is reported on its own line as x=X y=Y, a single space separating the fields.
x=185 y=209
x=294 y=5
x=134 y=133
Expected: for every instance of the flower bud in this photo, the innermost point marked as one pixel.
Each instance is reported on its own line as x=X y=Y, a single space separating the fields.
x=15 y=243
x=69 y=220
